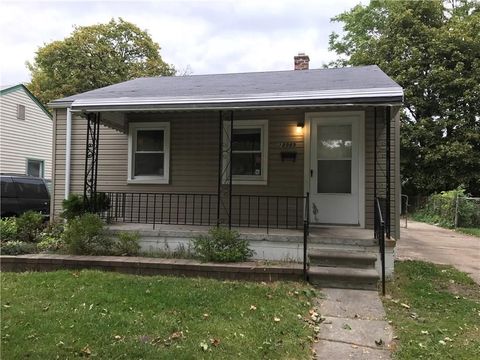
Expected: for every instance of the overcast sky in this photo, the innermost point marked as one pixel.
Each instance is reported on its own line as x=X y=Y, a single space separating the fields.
x=205 y=36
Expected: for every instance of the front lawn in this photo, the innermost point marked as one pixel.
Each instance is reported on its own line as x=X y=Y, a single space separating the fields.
x=66 y=314
x=435 y=311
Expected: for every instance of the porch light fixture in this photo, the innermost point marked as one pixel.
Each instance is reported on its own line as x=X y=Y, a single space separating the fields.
x=300 y=126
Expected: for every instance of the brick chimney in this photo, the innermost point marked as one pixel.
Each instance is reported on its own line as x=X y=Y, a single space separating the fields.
x=301 y=61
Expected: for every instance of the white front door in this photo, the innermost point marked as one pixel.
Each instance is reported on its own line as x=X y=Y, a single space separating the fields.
x=336 y=168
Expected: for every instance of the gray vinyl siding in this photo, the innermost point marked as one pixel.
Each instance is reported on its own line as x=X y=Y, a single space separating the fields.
x=194 y=156
x=24 y=139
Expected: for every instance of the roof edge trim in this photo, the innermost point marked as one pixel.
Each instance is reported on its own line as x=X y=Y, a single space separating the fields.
x=261 y=98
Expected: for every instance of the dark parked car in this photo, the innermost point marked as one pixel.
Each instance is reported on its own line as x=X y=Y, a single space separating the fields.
x=20 y=193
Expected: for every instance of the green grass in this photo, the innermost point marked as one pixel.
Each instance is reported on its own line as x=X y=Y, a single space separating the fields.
x=470 y=231
x=443 y=318
x=67 y=314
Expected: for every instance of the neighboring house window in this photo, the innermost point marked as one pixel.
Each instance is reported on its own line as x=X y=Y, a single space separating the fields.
x=35 y=167
x=249 y=151
x=20 y=112
x=149 y=152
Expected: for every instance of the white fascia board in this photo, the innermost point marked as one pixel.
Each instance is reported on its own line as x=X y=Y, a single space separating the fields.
x=291 y=96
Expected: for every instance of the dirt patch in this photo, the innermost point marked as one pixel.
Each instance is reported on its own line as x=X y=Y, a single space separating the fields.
x=463 y=290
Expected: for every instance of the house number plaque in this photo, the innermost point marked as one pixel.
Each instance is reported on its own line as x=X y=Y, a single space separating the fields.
x=288 y=151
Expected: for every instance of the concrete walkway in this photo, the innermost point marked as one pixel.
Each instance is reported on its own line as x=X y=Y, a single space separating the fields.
x=354 y=326
x=427 y=242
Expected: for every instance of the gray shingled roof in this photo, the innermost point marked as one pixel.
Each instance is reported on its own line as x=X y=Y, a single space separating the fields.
x=255 y=87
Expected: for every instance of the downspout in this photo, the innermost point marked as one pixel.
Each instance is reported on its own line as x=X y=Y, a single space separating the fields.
x=68 y=152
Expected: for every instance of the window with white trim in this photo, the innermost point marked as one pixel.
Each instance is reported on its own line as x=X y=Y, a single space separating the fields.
x=249 y=151
x=149 y=152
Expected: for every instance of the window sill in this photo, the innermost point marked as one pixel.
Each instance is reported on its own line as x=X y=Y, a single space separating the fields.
x=249 y=182
x=147 y=181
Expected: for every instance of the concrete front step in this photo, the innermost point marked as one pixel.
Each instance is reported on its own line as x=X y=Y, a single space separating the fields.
x=322 y=240
x=343 y=277
x=339 y=258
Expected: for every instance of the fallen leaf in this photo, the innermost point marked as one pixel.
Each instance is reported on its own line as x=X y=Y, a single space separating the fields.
x=405 y=305
x=276 y=319
x=346 y=327
x=86 y=351
x=215 y=342
x=448 y=339
x=176 y=335
x=441 y=342
x=379 y=342
x=205 y=316
x=204 y=346
x=424 y=332
x=253 y=307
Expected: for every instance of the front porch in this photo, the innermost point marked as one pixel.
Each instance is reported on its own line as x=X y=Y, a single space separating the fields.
x=284 y=245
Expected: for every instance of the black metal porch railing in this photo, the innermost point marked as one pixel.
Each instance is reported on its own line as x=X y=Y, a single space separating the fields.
x=306 y=230
x=257 y=211
x=254 y=211
x=379 y=232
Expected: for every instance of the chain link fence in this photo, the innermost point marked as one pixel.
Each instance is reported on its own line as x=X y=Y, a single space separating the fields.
x=450 y=209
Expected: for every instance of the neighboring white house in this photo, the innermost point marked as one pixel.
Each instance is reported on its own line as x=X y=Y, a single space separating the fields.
x=25 y=133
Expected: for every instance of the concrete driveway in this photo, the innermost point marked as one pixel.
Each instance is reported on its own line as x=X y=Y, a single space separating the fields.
x=422 y=241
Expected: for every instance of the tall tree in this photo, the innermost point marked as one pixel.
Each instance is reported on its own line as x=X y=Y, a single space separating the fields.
x=93 y=57
x=432 y=49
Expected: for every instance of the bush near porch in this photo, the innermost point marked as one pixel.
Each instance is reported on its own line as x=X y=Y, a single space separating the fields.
x=84 y=233
x=66 y=314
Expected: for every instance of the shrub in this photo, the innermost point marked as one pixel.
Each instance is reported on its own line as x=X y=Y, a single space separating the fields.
x=86 y=235
x=222 y=245
x=440 y=209
x=29 y=226
x=127 y=244
x=51 y=238
x=75 y=205
x=50 y=244
x=8 y=229
x=17 y=248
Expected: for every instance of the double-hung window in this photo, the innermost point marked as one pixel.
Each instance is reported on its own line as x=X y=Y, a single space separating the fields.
x=149 y=153
x=249 y=151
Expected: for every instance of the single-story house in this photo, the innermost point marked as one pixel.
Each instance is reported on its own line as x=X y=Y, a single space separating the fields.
x=25 y=133
x=307 y=156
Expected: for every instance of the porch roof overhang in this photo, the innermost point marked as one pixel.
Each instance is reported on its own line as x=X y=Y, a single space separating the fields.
x=289 y=100
x=366 y=85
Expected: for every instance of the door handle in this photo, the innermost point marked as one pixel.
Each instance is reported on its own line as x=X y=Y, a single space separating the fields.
x=311 y=172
